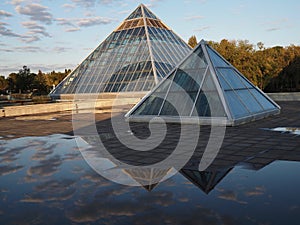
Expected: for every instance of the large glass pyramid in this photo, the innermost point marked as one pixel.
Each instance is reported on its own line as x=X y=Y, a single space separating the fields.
x=133 y=58
x=204 y=88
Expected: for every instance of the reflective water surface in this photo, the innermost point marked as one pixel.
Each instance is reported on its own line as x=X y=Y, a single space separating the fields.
x=45 y=180
x=292 y=130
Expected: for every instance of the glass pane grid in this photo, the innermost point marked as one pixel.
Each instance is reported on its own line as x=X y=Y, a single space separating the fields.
x=126 y=67
x=114 y=63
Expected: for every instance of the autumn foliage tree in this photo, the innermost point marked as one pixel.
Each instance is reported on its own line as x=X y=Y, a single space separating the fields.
x=3 y=84
x=262 y=66
x=192 y=41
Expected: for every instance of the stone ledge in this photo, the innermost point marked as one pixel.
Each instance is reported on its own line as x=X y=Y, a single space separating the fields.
x=285 y=96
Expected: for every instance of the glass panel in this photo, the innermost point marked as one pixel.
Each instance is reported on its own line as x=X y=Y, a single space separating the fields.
x=186 y=81
x=136 y=14
x=215 y=105
x=195 y=60
x=149 y=14
x=246 y=82
x=208 y=102
x=208 y=84
x=236 y=107
x=201 y=107
x=165 y=84
x=172 y=103
x=266 y=104
x=232 y=78
x=250 y=102
x=216 y=60
x=223 y=82
x=150 y=106
x=181 y=95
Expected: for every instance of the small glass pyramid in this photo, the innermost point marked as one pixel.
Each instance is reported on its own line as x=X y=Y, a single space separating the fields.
x=204 y=88
x=133 y=58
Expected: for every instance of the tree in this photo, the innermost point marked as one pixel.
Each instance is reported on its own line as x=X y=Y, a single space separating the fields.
x=288 y=79
x=25 y=80
x=260 y=45
x=54 y=78
x=192 y=41
x=12 y=82
x=3 y=84
x=40 y=84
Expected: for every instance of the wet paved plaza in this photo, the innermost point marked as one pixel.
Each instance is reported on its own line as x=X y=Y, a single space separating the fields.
x=254 y=178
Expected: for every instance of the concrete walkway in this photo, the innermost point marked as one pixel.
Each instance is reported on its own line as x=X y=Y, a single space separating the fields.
x=105 y=104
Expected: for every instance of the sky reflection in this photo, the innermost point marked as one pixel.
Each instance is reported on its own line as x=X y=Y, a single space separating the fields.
x=44 y=180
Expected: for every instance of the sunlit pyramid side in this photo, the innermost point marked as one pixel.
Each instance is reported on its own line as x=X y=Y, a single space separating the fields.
x=133 y=58
x=204 y=88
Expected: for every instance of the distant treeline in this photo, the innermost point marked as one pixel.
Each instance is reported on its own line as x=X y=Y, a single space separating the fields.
x=275 y=69
x=27 y=82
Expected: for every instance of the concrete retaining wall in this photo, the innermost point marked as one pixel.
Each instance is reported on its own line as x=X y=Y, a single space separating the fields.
x=288 y=96
x=124 y=103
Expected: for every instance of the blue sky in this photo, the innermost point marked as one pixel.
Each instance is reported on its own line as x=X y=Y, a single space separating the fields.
x=54 y=35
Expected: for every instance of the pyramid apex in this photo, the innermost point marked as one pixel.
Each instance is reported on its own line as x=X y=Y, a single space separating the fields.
x=142 y=5
x=141 y=11
x=203 y=41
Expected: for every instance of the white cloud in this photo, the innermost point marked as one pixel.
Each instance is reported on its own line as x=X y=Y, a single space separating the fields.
x=68 y=6
x=277 y=24
x=194 y=17
x=61 y=49
x=92 y=21
x=202 y=29
x=72 y=29
x=74 y=24
x=16 y=2
x=92 y=3
x=5 y=14
x=153 y=3
x=85 y=3
x=6 y=50
x=230 y=196
x=4 y=31
x=273 y=29
x=36 y=12
x=28 y=49
x=35 y=29
x=65 y=22
x=125 y=12
x=30 y=38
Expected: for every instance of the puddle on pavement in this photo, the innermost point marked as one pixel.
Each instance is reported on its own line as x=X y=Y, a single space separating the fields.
x=45 y=180
x=291 y=130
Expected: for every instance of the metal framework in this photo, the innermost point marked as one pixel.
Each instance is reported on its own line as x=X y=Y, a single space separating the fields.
x=133 y=58
x=204 y=88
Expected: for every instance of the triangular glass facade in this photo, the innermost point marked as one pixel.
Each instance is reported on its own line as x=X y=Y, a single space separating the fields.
x=204 y=88
x=133 y=58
